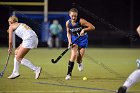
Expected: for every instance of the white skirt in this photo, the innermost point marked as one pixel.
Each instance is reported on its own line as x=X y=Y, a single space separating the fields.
x=31 y=42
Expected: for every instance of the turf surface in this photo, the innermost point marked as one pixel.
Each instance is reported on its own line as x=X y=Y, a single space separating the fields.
x=105 y=68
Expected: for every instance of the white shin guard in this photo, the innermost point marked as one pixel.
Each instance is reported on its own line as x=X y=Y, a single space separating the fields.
x=132 y=79
x=28 y=64
x=16 y=66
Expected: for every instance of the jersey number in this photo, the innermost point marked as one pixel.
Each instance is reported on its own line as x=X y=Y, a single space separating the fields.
x=26 y=27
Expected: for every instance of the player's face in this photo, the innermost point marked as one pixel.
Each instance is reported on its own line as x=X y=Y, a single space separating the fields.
x=73 y=16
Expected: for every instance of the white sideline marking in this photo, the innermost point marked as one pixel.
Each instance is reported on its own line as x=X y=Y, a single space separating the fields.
x=133 y=91
x=47 y=91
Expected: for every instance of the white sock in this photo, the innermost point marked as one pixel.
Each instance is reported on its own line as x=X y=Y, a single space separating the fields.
x=28 y=64
x=132 y=79
x=16 y=66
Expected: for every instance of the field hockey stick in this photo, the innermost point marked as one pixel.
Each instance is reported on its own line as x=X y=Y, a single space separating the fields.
x=5 y=66
x=64 y=52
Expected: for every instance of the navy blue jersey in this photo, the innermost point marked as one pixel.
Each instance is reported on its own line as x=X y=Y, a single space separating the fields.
x=75 y=29
x=75 y=32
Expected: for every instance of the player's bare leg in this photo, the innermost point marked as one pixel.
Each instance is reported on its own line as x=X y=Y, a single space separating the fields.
x=71 y=61
x=19 y=58
x=81 y=52
x=15 y=72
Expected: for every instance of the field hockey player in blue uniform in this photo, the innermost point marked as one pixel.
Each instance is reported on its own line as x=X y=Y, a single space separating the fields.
x=76 y=27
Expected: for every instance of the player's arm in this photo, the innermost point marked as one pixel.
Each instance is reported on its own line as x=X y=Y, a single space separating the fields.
x=88 y=25
x=68 y=33
x=138 y=30
x=10 y=31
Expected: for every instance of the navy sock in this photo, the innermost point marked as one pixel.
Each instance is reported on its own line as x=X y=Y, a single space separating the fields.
x=70 y=68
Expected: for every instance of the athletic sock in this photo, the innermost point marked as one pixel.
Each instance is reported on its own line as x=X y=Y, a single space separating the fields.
x=28 y=64
x=16 y=66
x=132 y=79
x=70 y=68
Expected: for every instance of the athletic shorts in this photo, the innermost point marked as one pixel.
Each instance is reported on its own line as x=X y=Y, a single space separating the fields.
x=81 y=42
x=31 y=42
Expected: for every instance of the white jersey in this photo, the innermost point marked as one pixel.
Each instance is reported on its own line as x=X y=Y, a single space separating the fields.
x=24 y=31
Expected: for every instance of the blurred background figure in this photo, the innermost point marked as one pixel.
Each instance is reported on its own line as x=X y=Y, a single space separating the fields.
x=55 y=34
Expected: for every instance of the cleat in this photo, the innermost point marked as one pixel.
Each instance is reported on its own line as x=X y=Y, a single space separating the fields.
x=37 y=72
x=122 y=89
x=13 y=76
x=80 y=67
x=68 y=77
x=138 y=63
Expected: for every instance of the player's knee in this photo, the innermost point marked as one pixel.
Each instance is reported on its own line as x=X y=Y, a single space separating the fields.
x=18 y=58
x=74 y=55
x=16 y=51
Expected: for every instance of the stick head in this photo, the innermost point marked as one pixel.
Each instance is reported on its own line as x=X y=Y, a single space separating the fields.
x=53 y=61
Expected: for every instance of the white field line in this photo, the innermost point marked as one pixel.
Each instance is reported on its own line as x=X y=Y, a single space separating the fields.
x=58 y=91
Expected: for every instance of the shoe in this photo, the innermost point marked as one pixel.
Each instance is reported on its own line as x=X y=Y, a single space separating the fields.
x=138 y=63
x=122 y=89
x=80 y=67
x=37 y=72
x=13 y=76
x=68 y=77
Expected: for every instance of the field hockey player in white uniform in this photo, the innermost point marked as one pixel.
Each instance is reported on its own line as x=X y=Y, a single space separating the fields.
x=29 y=41
x=134 y=77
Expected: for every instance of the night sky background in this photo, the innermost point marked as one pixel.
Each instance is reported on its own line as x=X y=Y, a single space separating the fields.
x=115 y=20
